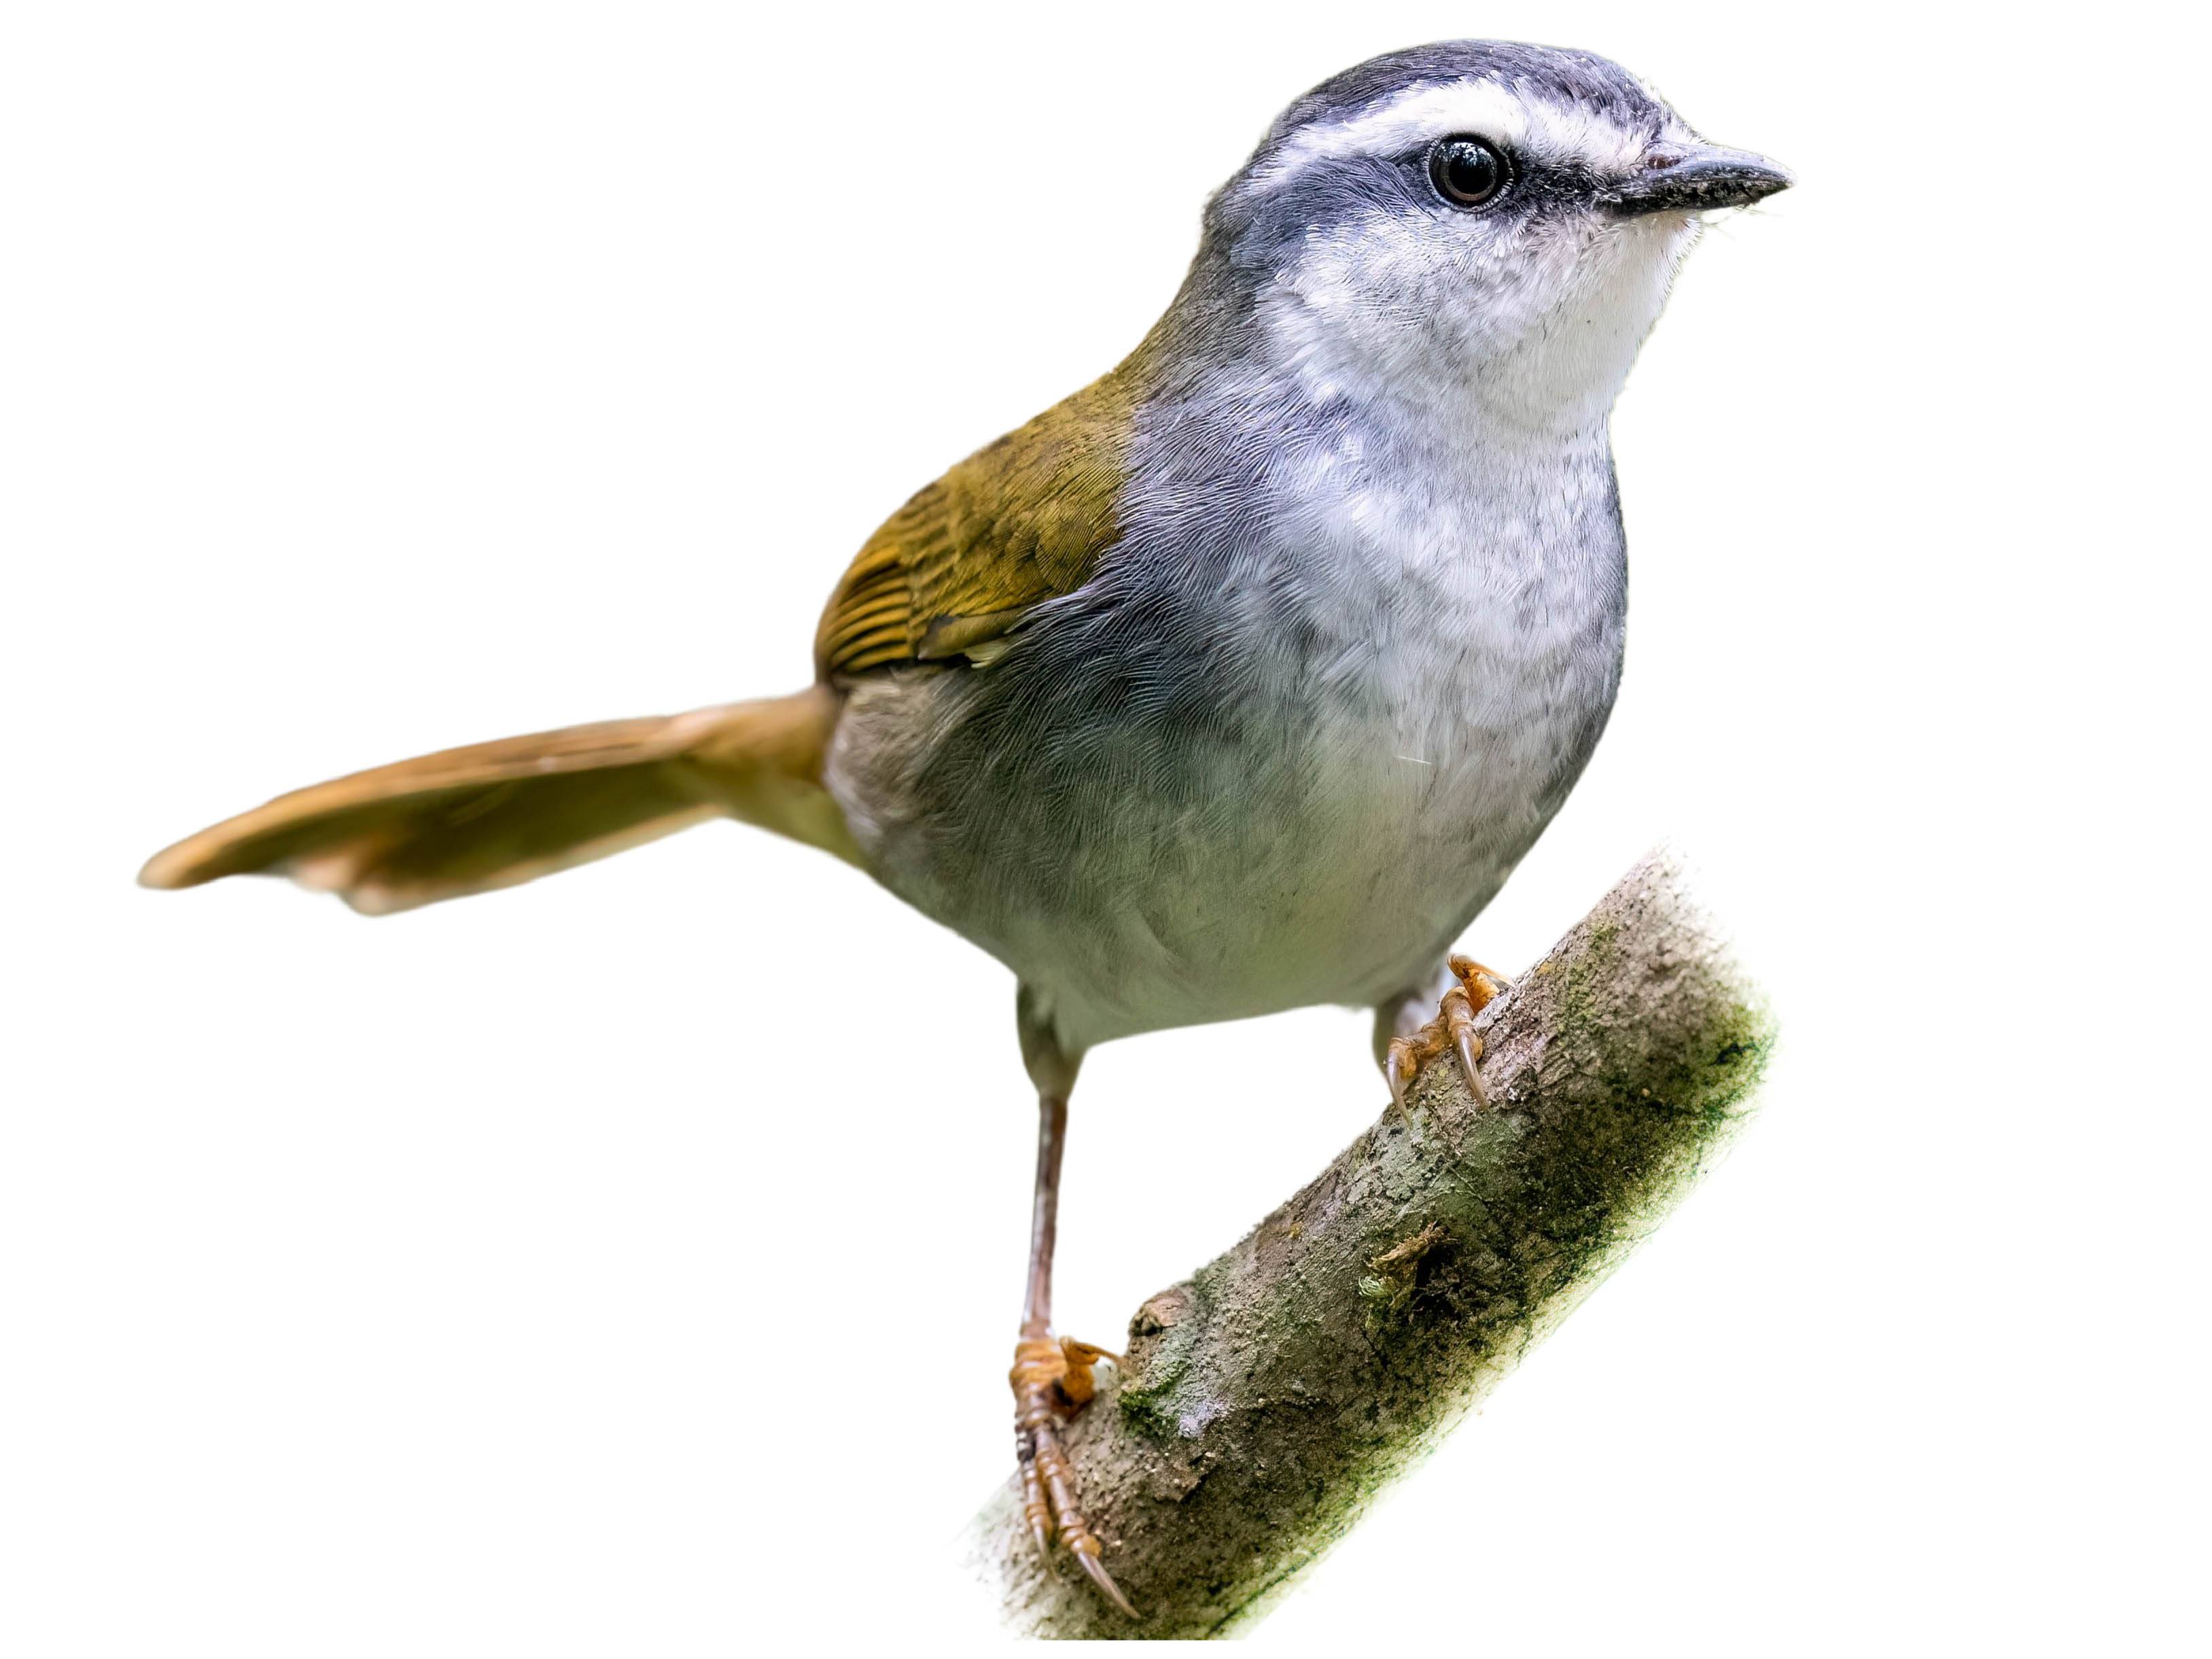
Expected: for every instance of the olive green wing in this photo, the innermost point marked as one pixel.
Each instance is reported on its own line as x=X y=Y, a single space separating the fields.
x=1021 y=521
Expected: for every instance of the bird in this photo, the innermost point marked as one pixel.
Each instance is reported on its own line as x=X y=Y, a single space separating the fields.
x=1237 y=682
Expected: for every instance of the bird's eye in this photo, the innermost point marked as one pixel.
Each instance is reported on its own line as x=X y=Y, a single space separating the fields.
x=1469 y=172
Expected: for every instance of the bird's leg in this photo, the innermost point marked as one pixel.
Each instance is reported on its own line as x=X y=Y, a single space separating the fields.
x=1405 y=1042
x=1051 y=1377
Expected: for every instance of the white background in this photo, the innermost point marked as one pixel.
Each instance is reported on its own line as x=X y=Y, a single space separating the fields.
x=536 y=1274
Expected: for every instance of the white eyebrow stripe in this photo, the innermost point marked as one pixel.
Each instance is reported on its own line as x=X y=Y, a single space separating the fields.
x=1484 y=107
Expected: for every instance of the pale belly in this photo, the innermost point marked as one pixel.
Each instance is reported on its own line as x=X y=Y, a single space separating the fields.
x=1177 y=844
x=1344 y=884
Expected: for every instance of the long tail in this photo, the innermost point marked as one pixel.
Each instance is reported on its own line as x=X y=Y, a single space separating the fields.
x=467 y=820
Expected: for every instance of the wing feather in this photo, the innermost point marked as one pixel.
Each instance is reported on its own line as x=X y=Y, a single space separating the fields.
x=1023 y=520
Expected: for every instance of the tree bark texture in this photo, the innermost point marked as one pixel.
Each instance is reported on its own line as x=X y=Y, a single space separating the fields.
x=1267 y=1398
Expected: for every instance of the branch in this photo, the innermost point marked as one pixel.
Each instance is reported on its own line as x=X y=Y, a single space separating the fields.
x=1270 y=1396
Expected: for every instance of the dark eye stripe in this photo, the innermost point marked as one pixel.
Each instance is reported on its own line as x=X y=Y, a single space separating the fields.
x=1469 y=172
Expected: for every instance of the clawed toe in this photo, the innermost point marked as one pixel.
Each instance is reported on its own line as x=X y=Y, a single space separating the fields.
x=1453 y=1028
x=1052 y=1381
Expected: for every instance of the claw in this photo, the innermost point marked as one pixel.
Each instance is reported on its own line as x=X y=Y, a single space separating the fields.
x=1096 y=1571
x=1469 y=1049
x=1397 y=1071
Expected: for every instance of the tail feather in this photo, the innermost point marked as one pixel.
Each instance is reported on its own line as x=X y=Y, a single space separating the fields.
x=493 y=814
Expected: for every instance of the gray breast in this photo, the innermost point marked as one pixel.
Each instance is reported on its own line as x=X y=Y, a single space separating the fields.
x=1279 y=751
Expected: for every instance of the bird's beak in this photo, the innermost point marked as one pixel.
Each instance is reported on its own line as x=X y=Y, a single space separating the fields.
x=1689 y=180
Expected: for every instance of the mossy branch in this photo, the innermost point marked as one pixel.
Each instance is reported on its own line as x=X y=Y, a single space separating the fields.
x=1270 y=1396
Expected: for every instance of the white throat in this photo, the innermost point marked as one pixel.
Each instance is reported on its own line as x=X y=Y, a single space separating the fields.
x=1540 y=347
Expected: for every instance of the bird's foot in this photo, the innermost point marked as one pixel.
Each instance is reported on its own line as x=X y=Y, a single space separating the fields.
x=1453 y=1028
x=1052 y=1382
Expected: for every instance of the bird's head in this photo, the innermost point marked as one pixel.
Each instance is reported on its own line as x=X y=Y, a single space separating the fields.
x=1474 y=220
